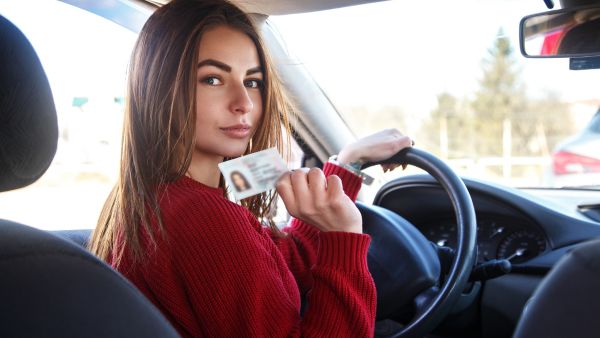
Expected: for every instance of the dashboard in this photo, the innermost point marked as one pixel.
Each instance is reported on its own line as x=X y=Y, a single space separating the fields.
x=531 y=229
x=530 y=232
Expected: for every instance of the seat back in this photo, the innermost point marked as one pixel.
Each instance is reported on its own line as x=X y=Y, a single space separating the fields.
x=79 y=237
x=567 y=302
x=49 y=286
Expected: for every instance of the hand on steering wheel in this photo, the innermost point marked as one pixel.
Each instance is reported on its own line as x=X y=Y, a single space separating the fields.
x=376 y=147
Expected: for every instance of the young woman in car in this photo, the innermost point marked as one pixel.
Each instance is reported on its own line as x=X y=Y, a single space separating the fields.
x=200 y=90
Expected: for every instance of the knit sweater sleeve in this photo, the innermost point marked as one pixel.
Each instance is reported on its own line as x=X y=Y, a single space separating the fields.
x=232 y=274
x=299 y=247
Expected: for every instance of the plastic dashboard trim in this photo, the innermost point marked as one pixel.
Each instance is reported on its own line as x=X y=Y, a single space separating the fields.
x=561 y=229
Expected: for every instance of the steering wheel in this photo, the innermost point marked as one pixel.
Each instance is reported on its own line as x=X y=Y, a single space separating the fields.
x=406 y=266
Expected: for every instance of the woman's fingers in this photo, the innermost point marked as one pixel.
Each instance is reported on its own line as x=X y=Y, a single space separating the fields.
x=376 y=147
x=391 y=166
x=319 y=201
x=405 y=142
x=286 y=192
x=301 y=190
x=392 y=143
x=334 y=187
x=299 y=181
x=316 y=185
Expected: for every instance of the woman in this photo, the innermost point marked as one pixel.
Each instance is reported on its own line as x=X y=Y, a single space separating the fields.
x=200 y=90
x=239 y=181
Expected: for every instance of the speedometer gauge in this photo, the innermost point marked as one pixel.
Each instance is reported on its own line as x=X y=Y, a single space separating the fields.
x=443 y=234
x=521 y=246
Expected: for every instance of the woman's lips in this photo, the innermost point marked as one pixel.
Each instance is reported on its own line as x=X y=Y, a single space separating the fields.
x=237 y=131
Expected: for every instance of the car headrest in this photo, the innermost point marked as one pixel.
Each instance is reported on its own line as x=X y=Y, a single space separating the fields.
x=583 y=38
x=28 y=123
x=577 y=3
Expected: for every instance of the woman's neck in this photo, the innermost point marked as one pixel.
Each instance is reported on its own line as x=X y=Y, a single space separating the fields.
x=205 y=169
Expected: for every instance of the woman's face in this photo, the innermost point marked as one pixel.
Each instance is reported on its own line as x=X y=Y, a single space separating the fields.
x=239 y=182
x=228 y=94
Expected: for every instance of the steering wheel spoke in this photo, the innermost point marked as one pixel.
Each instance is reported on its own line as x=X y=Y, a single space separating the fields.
x=423 y=300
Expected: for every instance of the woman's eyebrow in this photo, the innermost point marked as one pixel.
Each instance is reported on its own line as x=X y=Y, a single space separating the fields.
x=254 y=70
x=215 y=63
x=225 y=67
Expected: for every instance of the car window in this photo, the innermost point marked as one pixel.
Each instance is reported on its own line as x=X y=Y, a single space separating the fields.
x=85 y=58
x=455 y=81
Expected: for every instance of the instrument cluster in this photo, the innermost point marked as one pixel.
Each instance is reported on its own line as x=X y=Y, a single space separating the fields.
x=498 y=237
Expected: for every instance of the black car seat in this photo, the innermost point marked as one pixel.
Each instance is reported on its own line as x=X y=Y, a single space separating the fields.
x=51 y=287
x=567 y=302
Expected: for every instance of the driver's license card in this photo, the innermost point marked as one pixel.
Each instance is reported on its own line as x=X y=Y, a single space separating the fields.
x=253 y=174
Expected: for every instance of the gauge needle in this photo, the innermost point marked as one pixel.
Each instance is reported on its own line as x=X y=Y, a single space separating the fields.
x=442 y=242
x=497 y=231
x=517 y=253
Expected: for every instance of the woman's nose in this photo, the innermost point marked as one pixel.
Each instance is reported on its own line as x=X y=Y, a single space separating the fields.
x=241 y=102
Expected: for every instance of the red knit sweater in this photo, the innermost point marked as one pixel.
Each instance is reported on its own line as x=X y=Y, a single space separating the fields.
x=219 y=273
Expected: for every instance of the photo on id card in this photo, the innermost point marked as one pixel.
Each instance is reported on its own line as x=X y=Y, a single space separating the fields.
x=254 y=173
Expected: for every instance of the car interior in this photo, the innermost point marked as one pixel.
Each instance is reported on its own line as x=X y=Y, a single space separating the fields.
x=451 y=256
x=52 y=287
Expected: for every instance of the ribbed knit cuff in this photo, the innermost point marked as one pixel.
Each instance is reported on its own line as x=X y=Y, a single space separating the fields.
x=306 y=230
x=343 y=251
x=351 y=182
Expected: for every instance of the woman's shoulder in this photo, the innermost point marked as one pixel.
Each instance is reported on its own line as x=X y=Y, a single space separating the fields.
x=188 y=203
x=191 y=197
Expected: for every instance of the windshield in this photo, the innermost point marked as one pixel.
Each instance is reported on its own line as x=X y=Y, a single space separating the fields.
x=450 y=75
x=446 y=73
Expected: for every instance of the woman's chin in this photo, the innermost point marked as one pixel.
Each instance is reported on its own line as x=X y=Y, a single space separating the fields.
x=232 y=153
x=222 y=150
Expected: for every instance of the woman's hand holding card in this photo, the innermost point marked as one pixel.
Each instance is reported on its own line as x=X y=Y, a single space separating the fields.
x=319 y=201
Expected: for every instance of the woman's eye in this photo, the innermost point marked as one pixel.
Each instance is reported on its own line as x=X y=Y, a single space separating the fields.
x=212 y=81
x=253 y=83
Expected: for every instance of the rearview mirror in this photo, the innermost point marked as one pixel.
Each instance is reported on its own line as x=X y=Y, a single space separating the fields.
x=572 y=32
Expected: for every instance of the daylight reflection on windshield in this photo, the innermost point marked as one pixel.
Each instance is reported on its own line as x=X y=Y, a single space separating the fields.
x=458 y=84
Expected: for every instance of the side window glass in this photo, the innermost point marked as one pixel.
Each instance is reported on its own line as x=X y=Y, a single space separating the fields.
x=85 y=58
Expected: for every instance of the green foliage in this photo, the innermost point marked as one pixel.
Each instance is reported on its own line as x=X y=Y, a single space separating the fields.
x=500 y=96
x=449 y=132
x=545 y=123
x=476 y=128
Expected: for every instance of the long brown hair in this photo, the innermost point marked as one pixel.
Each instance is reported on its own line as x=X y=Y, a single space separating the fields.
x=160 y=119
